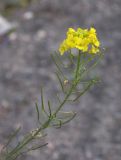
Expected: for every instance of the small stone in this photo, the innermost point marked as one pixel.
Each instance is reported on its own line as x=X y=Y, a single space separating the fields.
x=28 y=15
x=41 y=34
x=13 y=36
x=1 y=147
x=5 y=104
x=88 y=154
x=55 y=155
x=5 y=26
x=50 y=146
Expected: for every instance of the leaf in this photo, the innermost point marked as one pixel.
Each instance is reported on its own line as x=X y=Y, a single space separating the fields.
x=86 y=89
x=37 y=109
x=49 y=107
x=63 y=118
x=42 y=103
x=57 y=65
x=59 y=79
x=12 y=137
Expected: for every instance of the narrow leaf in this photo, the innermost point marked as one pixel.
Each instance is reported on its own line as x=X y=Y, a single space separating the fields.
x=58 y=67
x=81 y=93
x=42 y=102
x=59 y=79
x=37 y=109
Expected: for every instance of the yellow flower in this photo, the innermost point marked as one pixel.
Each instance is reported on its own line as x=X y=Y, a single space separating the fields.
x=94 y=50
x=81 y=39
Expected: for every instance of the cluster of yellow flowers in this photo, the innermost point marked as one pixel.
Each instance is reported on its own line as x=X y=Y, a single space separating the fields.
x=82 y=39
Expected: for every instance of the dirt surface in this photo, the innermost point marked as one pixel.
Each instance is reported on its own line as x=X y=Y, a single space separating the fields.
x=25 y=65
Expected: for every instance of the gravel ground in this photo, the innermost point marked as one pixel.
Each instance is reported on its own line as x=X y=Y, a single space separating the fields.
x=25 y=65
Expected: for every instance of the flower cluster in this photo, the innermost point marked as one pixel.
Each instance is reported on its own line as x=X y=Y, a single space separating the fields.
x=82 y=39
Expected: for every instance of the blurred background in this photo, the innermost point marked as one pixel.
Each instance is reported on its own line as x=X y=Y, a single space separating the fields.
x=30 y=30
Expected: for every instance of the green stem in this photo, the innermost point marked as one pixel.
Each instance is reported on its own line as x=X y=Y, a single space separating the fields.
x=24 y=142
x=16 y=150
x=78 y=65
x=73 y=85
x=65 y=99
